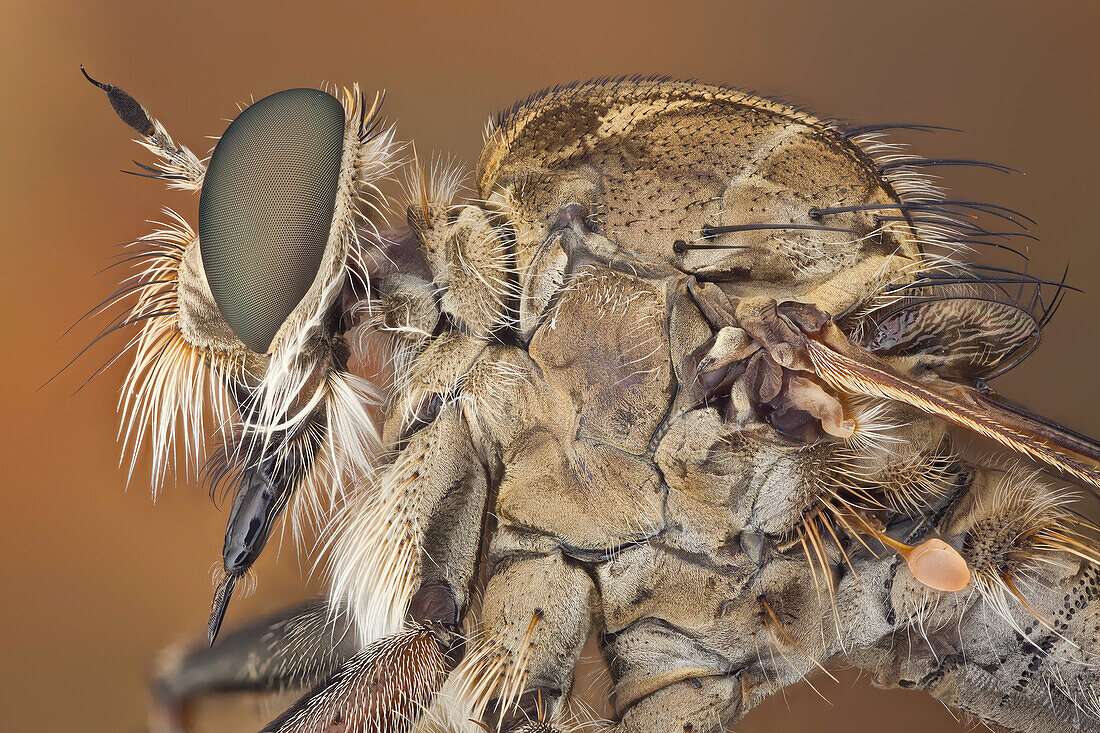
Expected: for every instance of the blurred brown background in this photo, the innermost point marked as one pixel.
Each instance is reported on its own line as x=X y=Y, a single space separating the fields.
x=96 y=579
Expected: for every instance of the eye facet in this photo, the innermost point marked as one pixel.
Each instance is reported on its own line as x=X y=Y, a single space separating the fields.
x=266 y=209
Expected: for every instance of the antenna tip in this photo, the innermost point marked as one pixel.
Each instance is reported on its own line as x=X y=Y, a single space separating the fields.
x=101 y=85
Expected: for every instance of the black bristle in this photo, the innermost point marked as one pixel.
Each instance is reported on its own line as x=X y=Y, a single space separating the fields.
x=864 y=129
x=930 y=162
x=709 y=230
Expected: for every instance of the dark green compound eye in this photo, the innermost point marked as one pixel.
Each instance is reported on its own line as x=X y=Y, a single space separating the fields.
x=266 y=209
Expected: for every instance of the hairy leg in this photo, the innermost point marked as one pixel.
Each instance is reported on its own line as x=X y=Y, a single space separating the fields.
x=535 y=619
x=697 y=705
x=405 y=556
x=291 y=649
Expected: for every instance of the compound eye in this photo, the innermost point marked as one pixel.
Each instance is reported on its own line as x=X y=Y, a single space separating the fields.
x=266 y=209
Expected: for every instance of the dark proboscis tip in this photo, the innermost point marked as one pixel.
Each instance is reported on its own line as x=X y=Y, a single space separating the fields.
x=126 y=107
x=220 y=605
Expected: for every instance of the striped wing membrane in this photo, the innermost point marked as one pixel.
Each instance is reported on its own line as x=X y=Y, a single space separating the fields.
x=966 y=338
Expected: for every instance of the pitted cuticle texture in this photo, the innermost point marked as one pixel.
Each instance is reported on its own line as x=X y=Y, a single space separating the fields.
x=266 y=209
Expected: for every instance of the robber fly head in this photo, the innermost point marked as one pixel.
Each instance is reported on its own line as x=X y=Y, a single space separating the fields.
x=243 y=320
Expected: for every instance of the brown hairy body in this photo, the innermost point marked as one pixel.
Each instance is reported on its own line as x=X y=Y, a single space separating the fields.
x=696 y=374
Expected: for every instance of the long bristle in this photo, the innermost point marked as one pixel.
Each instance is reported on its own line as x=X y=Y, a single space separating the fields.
x=172 y=383
x=775 y=626
x=810 y=532
x=435 y=186
x=374 y=550
x=912 y=480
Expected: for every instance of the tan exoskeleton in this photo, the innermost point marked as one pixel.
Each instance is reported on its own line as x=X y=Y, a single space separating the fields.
x=693 y=372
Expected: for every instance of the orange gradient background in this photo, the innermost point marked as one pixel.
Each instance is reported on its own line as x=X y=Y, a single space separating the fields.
x=96 y=579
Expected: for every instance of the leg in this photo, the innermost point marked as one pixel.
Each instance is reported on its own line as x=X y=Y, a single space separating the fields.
x=535 y=619
x=404 y=557
x=698 y=705
x=292 y=649
x=560 y=595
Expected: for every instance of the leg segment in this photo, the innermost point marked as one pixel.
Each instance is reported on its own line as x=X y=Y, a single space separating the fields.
x=698 y=705
x=404 y=559
x=560 y=595
x=537 y=615
x=292 y=649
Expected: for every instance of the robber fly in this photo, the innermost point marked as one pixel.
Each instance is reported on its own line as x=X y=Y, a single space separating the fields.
x=688 y=370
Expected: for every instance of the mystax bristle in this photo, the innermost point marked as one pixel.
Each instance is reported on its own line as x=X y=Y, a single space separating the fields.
x=173 y=384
